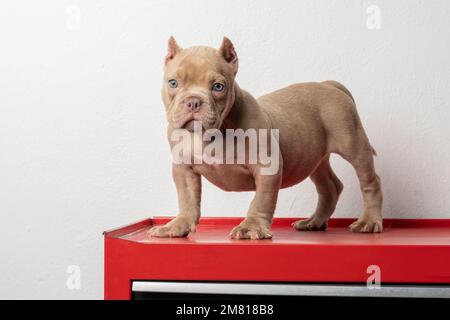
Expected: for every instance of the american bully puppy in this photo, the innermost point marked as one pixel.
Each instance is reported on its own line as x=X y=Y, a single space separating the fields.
x=313 y=121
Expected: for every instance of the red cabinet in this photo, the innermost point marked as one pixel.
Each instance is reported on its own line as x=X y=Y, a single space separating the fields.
x=407 y=252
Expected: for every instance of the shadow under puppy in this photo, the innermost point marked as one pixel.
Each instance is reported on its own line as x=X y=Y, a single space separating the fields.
x=313 y=120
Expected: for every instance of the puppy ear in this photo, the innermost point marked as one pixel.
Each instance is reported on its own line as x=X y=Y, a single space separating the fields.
x=229 y=54
x=172 y=49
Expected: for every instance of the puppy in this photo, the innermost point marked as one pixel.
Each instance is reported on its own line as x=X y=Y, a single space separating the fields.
x=313 y=120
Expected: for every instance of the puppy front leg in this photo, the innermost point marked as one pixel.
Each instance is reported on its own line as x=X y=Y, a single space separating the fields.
x=188 y=185
x=257 y=224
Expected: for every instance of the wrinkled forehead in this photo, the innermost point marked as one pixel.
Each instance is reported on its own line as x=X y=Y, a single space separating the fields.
x=197 y=65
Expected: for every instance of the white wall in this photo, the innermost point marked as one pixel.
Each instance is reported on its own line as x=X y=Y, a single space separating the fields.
x=82 y=127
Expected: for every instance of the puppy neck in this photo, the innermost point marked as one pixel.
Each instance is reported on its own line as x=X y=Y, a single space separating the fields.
x=245 y=112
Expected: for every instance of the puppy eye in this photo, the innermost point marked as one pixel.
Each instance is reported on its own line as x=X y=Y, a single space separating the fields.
x=173 y=83
x=218 y=87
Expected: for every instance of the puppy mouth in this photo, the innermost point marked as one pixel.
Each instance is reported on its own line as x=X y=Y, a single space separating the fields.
x=190 y=121
x=195 y=121
x=191 y=124
x=187 y=120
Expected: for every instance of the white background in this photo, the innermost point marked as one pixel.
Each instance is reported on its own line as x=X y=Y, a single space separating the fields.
x=82 y=127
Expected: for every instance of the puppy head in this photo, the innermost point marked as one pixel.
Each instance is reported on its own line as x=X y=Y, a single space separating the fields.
x=199 y=84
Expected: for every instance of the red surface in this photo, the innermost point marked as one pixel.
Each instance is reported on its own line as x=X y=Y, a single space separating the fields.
x=408 y=251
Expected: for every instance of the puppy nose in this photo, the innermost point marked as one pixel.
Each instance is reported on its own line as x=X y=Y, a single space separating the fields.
x=193 y=103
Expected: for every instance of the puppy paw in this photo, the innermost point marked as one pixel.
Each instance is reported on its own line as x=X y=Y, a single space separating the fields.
x=367 y=225
x=178 y=227
x=253 y=231
x=310 y=224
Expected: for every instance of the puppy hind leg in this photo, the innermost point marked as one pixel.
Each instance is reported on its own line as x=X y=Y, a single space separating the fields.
x=361 y=158
x=329 y=188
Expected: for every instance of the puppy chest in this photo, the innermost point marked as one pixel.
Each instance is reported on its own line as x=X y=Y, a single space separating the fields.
x=228 y=177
